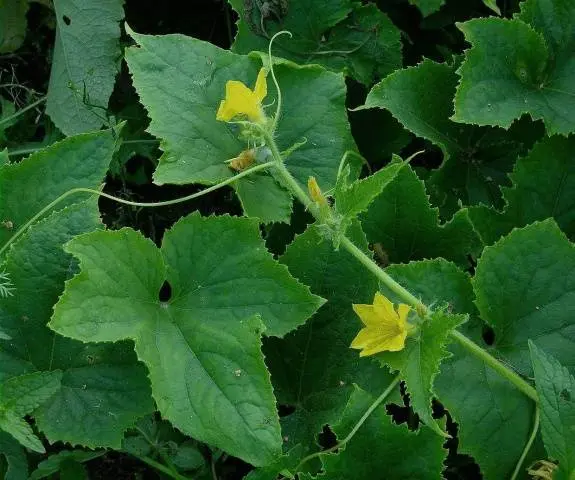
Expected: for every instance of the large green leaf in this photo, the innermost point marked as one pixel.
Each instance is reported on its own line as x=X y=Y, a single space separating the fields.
x=525 y=288
x=181 y=82
x=353 y=198
x=494 y=418
x=382 y=446
x=84 y=64
x=419 y=362
x=21 y=395
x=340 y=35
x=79 y=161
x=103 y=391
x=12 y=24
x=427 y=7
x=515 y=68
x=476 y=159
x=202 y=346
x=555 y=20
x=25 y=393
x=543 y=187
x=17 y=464
x=298 y=361
x=404 y=223
x=54 y=463
x=556 y=390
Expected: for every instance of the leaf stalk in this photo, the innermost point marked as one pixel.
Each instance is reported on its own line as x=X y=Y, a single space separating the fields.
x=291 y=183
x=356 y=427
x=175 y=201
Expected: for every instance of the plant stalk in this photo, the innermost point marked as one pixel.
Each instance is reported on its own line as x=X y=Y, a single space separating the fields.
x=52 y=204
x=527 y=445
x=291 y=183
x=162 y=468
x=356 y=427
x=22 y=111
x=495 y=364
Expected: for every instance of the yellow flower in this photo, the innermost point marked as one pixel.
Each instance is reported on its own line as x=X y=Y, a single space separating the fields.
x=240 y=100
x=315 y=192
x=385 y=328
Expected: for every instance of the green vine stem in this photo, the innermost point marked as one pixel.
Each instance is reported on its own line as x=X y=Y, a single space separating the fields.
x=22 y=111
x=527 y=445
x=291 y=183
x=496 y=365
x=162 y=468
x=356 y=427
x=73 y=191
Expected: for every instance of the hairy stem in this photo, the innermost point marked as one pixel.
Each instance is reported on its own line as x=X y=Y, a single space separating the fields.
x=73 y=191
x=356 y=427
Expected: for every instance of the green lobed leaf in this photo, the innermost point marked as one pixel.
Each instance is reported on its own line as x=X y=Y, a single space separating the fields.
x=17 y=464
x=25 y=393
x=12 y=24
x=54 y=462
x=419 y=362
x=298 y=361
x=511 y=69
x=4 y=158
x=554 y=19
x=286 y=463
x=21 y=430
x=525 y=288
x=353 y=198
x=492 y=5
x=207 y=335
x=543 y=187
x=494 y=418
x=555 y=389
x=261 y=194
x=427 y=7
x=476 y=159
x=103 y=389
x=341 y=35
x=85 y=63
x=404 y=223
x=79 y=161
x=181 y=81
x=71 y=470
x=21 y=395
x=382 y=446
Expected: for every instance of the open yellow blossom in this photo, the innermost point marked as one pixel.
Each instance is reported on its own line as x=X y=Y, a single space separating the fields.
x=240 y=100
x=385 y=328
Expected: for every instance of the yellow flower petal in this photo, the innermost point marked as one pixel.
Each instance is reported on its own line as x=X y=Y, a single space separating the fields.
x=261 y=88
x=403 y=310
x=367 y=315
x=382 y=304
x=240 y=100
x=385 y=328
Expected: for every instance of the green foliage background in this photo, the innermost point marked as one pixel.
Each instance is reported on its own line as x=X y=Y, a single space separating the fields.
x=210 y=339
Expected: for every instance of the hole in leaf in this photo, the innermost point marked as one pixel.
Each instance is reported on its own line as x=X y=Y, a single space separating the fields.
x=165 y=292
x=67 y=19
x=488 y=335
x=327 y=438
x=565 y=395
x=285 y=410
